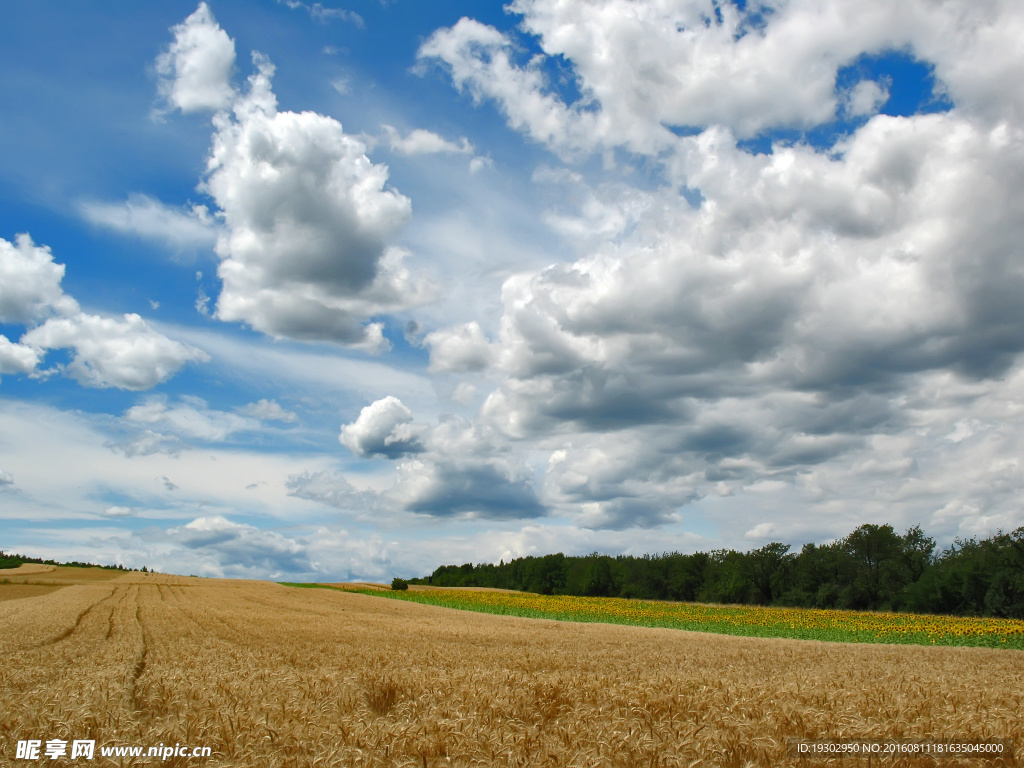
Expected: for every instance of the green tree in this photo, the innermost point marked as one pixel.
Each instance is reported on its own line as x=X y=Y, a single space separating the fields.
x=766 y=566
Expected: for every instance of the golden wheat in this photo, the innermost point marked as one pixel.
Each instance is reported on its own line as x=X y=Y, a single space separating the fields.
x=268 y=675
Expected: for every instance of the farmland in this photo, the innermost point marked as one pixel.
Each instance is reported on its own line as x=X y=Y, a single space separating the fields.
x=269 y=675
x=755 y=621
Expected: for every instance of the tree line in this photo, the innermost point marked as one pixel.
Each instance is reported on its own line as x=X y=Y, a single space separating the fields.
x=873 y=568
x=14 y=561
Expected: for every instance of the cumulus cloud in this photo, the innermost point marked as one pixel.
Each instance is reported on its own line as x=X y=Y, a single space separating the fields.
x=6 y=479
x=195 y=71
x=145 y=217
x=109 y=352
x=384 y=428
x=643 y=68
x=759 y=319
x=778 y=326
x=423 y=142
x=306 y=246
x=30 y=282
x=460 y=348
x=305 y=251
x=453 y=469
x=238 y=548
x=17 y=358
x=494 y=489
x=465 y=472
x=218 y=546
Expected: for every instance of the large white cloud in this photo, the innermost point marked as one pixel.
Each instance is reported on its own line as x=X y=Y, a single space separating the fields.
x=307 y=245
x=642 y=68
x=754 y=323
x=114 y=352
x=308 y=220
x=108 y=352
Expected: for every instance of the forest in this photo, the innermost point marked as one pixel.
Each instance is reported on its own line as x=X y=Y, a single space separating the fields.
x=873 y=568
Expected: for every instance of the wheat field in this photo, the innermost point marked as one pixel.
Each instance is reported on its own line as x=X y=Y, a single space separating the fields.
x=268 y=675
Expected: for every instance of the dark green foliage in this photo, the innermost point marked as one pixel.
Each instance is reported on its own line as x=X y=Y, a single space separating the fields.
x=873 y=568
x=13 y=561
x=399 y=584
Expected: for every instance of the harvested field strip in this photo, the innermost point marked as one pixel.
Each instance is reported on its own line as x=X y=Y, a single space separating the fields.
x=749 y=621
x=18 y=591
x=57 y=576
x=49 y=618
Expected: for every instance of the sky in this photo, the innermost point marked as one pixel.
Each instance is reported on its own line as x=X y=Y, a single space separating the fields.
x=306 y=291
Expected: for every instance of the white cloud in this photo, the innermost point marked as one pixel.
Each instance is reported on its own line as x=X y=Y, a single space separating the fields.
x=494 y=489
x=118 y=511
x=423 y=142
x=464 y=472
x=195 y=71
x=143 y=216
x=760 y=319
x=124 y=353
x=269 y=410
x=641 y=68
x=17 y=358
x=479 y=59
x=30 y=282
x=323 y=14
x=190 y=418
x=176 y=486
x=333 y=489
x=464 y=393
x=305 y=248
x=108 y=352
x=866 y=98
x=384 y=428
x=147 y=443
x=239 y=548
x=461 y=348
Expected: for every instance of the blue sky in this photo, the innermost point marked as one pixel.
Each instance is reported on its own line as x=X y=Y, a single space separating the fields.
x=314 y=291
